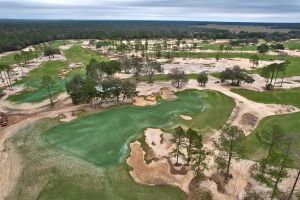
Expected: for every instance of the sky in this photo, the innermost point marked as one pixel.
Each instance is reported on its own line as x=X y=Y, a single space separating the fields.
x=183 y=10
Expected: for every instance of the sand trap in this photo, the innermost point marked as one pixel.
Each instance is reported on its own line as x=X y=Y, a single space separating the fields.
x=186 y=117
x=167 y=93
x=144 y=101
x=155 y=173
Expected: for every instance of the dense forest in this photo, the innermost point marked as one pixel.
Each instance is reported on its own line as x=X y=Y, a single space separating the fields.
x=17 y=34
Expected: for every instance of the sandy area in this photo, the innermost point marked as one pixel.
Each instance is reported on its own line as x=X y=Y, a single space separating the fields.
x=144 y=100
x=155 y=173
x=186 y=117
x=211 y=65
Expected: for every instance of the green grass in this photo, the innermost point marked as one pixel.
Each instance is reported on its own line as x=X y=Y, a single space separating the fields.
x=50 y=174
x=102 y=138
x=279 y=96
x=35 y=91
x=252 y=148
x=84 y=159
x=295 y=45
x=8 y=59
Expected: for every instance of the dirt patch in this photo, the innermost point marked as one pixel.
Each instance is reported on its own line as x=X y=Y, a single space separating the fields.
x=67 y=117
x=249 y=119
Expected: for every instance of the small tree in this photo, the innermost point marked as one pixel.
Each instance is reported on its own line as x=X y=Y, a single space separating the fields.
x=150 y=68
x=178 y=140
x=254 y=60
x=197 y=154
x=263 y=48
x=202 y=78
x=228 y=141
x=128 y=89
x=178 y=77
x=48 y=82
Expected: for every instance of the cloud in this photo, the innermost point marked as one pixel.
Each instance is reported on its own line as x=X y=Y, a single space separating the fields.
x=194 y=10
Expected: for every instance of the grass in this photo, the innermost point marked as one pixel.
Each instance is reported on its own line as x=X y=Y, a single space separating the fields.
x=278 y=96
x=54 y=169
x=8 y=59
x=251 y=147
x=102 y=138
x=295 y=45
x=48 y=174
x=35 y=91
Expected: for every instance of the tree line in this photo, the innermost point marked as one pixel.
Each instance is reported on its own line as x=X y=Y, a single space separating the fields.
x=18 y=34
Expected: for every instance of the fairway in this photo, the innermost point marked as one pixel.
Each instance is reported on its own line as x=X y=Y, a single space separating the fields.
x=253 y=149
x=280 y=96
x=102 y=138
x=35 y=91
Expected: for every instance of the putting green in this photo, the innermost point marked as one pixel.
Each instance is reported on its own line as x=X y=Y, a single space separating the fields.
x=102 y=138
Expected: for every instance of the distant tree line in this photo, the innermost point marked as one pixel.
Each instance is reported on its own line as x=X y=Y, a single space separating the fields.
x=17 y=34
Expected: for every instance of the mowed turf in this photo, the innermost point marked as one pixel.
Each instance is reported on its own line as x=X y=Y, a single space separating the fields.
x=251 y=148
x=36 y=92
x=48 y=174
x=103 y=138
x=278 y=96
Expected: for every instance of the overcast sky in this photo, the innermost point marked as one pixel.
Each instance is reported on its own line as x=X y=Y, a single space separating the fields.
x=193 y=10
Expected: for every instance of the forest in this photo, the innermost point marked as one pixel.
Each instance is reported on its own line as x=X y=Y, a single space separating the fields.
x=18 y=34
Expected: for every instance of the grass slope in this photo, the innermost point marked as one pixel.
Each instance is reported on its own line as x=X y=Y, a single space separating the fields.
x=103 y=138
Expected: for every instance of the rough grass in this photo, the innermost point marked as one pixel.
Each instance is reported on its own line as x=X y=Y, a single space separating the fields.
x=35 y=91
x=278 y=96
x=103 y=138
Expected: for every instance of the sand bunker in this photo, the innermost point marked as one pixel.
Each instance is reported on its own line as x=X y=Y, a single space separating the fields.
x=167 y=93
x=186 y=117
x=155 y=173
x=144 y=101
